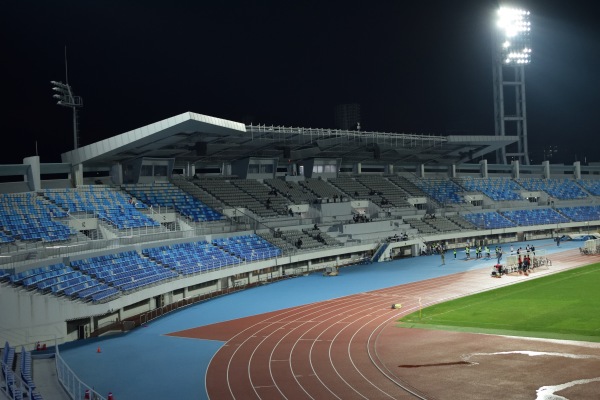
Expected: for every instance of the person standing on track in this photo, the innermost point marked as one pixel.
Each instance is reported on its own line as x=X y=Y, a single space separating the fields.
x=443 y=254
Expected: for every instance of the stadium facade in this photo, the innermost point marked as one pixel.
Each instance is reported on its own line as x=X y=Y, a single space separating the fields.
x=196 y=206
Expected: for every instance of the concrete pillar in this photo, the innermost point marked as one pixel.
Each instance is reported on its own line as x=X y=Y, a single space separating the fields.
x=359 y=168
x=546 y=169
x=390 y=169
x=577 y=169
x=116 y=173
x=452 y=171
x=33 y=173
x=483 y=168
x=77 y=174
x=421 y=171
x=515 y=169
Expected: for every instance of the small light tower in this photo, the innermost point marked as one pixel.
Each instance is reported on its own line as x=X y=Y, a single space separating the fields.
x=511 y=53
x=66 y=98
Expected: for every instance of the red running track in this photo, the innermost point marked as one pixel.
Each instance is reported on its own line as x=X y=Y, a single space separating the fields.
x=332 y=349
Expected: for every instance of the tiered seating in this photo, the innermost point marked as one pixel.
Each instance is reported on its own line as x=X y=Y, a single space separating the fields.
x=6 y=238
x=442 y=190
x=592 y=186
x=39 y=276
x=278 y=241
x=489 y=220
x=354 y=188
x=407 y=186
x=189 y=187
x=563 y=189
x=27 y=375
x=497 y=189
x=422 y=226
x=581 y=213
x=294 y=237
x=393 y=195
x=322 y=237
x=19 y=277
x=166 y=194
x=26 y=216
x=8 y=368
x=541 y=216
x=321 y=189
x=125 y=271
x=263 y=194
x=248 y=248
x=108 y=205
x=442 y=224
x=233 y=196
x=460 y=221
x=191 y=258
x=292 y=191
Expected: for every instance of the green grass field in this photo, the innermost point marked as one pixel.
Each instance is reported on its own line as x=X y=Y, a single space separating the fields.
x=560 y=306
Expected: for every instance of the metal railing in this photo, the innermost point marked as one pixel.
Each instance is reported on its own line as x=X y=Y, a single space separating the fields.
x=75 y=387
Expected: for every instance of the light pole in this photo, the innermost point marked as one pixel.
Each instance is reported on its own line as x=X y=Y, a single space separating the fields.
x=511 y=48
x=66 y=98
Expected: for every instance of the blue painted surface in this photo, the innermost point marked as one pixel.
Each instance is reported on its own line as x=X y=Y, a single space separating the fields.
x=145 y=364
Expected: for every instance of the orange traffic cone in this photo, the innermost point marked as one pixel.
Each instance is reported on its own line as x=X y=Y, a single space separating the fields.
x=98 y=351
x=87 y=394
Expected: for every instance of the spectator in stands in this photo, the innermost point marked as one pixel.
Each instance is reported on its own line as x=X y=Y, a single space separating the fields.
x=299 y=243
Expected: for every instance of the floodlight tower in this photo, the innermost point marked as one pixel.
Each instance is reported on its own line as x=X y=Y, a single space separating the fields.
x=66 y=98
x=511 y=53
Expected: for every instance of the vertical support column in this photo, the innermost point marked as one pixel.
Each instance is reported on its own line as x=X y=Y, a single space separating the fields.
x=358 y=168
x=77 y=174
x=33 y=173
x=452 y=171
x=515 y=169
x=577 y=169
x=390 y=169
x=483 y=168
x=421 y=171
x=116 y=173
x=546 y=169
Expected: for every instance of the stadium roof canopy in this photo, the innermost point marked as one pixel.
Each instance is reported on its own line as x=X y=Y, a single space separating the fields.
x=201 y=139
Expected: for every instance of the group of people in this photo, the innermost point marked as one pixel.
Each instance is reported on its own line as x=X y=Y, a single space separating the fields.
x=524 y=264
x=361 y=218
x=398 y=238
x=479 y=252
x=434 y=248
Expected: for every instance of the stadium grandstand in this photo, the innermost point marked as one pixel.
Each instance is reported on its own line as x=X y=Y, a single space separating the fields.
x=194 y=206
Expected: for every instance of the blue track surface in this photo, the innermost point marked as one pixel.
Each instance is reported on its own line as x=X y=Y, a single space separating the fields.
x=146 y=364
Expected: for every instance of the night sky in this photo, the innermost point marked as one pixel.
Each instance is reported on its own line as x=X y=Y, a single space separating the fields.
x=414 y=67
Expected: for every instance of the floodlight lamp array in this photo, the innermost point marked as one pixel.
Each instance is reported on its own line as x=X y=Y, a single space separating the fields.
x=514 y=42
